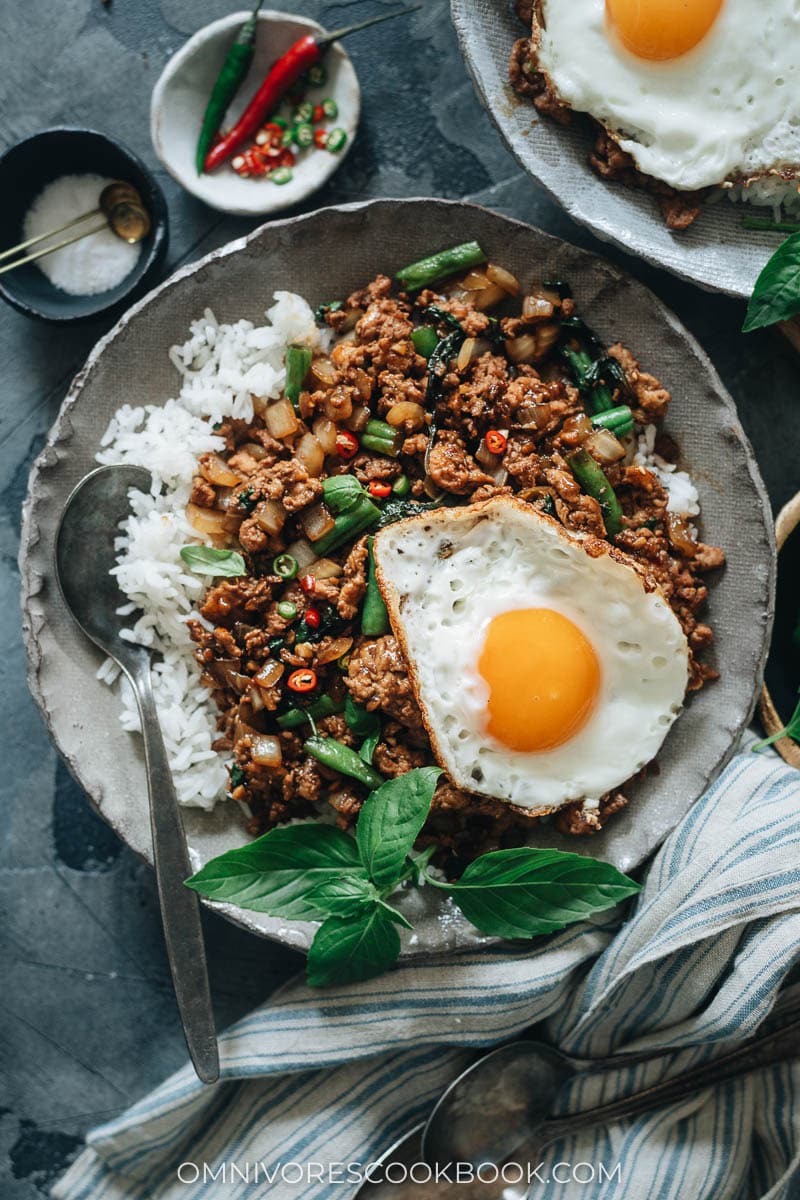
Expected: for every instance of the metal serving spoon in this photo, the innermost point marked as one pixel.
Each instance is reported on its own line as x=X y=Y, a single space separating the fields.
x=497 y=1110
x=124 y=214
x=84 y=557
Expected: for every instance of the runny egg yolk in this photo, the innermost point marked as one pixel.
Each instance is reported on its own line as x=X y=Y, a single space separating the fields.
x=661 y=29
x=543 y=677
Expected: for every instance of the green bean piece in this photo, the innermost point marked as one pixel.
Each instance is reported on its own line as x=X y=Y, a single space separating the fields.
x=401 y=486
x=341 y=758
x=349 y=526
x=298 y=360
x=374 y=617
x=230 y=79
x=438 y=266
x=765 y=225
x=325 y=706
x=619 y=420
x=592 y=478
x=287 y=610
x=425 y=340
x=381 y=437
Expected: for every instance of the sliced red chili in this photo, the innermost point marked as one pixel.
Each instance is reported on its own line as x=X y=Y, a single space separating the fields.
x=308 y=584
x=320 y=138
x=496 y=441
x=379 y=490
x=304 y=680
x=313 y=618
x=318 y=114
x=346 y=444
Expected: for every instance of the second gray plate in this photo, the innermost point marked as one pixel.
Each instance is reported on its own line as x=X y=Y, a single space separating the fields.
x=327 y=254
x=717 y=252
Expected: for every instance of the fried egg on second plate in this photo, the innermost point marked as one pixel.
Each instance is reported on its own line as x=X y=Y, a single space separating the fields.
x=546 y=672
x=697 y=91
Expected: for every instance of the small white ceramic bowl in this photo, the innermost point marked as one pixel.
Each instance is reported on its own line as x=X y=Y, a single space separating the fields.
x=181 y=95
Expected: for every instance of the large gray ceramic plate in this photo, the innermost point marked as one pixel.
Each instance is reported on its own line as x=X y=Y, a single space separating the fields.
x=328 y=254
x=716 y=252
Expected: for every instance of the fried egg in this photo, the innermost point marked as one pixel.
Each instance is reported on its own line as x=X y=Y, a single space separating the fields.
x=699 y=92
x=545 y=670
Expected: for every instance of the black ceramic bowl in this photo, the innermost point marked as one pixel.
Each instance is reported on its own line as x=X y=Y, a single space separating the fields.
x=25 y=170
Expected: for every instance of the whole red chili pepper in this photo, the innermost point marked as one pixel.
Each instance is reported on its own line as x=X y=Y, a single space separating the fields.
x=286 y=71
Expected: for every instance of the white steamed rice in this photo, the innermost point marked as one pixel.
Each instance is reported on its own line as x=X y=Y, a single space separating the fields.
x=221 y=367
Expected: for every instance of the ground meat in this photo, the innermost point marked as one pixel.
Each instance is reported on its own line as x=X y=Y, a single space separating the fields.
x=652 y=400
x=354 y=585
x=377 y=366
x=527 y=80
x=204 y=493
x=576 y=821
x=289 y=482
x=377 y=677
x=452 y=467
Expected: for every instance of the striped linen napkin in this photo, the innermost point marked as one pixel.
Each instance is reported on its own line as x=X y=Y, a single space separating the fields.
x=335 y=1077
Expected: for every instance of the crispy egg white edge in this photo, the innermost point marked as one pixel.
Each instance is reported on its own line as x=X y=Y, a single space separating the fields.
x=763 y=151
x=542 y=789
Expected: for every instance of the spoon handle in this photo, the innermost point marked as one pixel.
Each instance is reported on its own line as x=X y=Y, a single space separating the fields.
x=180 y=907
x=763 y=1050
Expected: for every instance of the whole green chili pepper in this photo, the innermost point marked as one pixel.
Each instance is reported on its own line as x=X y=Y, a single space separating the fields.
x=234 y=69
x=374 y=617
x=341 y=758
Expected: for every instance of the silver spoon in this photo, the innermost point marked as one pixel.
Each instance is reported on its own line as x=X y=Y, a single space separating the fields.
x=498 y=1108
x=84 y=557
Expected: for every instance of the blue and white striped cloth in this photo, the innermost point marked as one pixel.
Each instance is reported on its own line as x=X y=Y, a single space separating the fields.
x=337 y=1076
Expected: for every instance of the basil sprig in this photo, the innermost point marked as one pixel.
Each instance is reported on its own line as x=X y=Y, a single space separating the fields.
x=313 y=871
x=776 y=295
x=206 y=560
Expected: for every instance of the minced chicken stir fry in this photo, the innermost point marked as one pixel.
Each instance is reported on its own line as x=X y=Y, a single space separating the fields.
x=430 y=396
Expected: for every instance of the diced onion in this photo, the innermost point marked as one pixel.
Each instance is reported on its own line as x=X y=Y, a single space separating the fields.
x=214 y=468
x=281 y=419
x=537 y=308
x=465 y=353
x=680 y=535
x=578 y=428
x=488 y=297
x=208 y=520
x=522 y=349
x=260 y=405
x=226 y=672
x=352 y=318
x=316 y=522
x=406 y=412
x=605 y=446
x=325 y=433
x=324 y=373
x=363 y=384
x=499 y=275
x=358 y=418
x=270 y=673
x=325 y=568
x=227 y=498
x=270 y=516
x=484 y=456
x=255 y=450
x=475 y=281
x=265 y=750
x=256 y=699
x=338 y=404
x=310 y=453
x=336 y=649
x=302 y=552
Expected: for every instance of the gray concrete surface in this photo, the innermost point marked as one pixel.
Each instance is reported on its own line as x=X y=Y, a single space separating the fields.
x=88 y=1023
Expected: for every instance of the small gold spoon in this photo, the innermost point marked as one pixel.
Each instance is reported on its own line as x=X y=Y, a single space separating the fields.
x=124 y=213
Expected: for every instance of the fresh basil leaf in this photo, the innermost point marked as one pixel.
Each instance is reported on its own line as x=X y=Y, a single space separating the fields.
x=345 y=896
x=367 y=750
x=776 y=295
x=389 y=821
x=206 y=560
x=279 y=872
x=347 y=949
x=525 y=892
x=395 y=915
x=363 y=724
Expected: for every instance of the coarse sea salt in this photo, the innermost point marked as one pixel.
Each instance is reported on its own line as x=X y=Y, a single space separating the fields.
x=96 y=263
